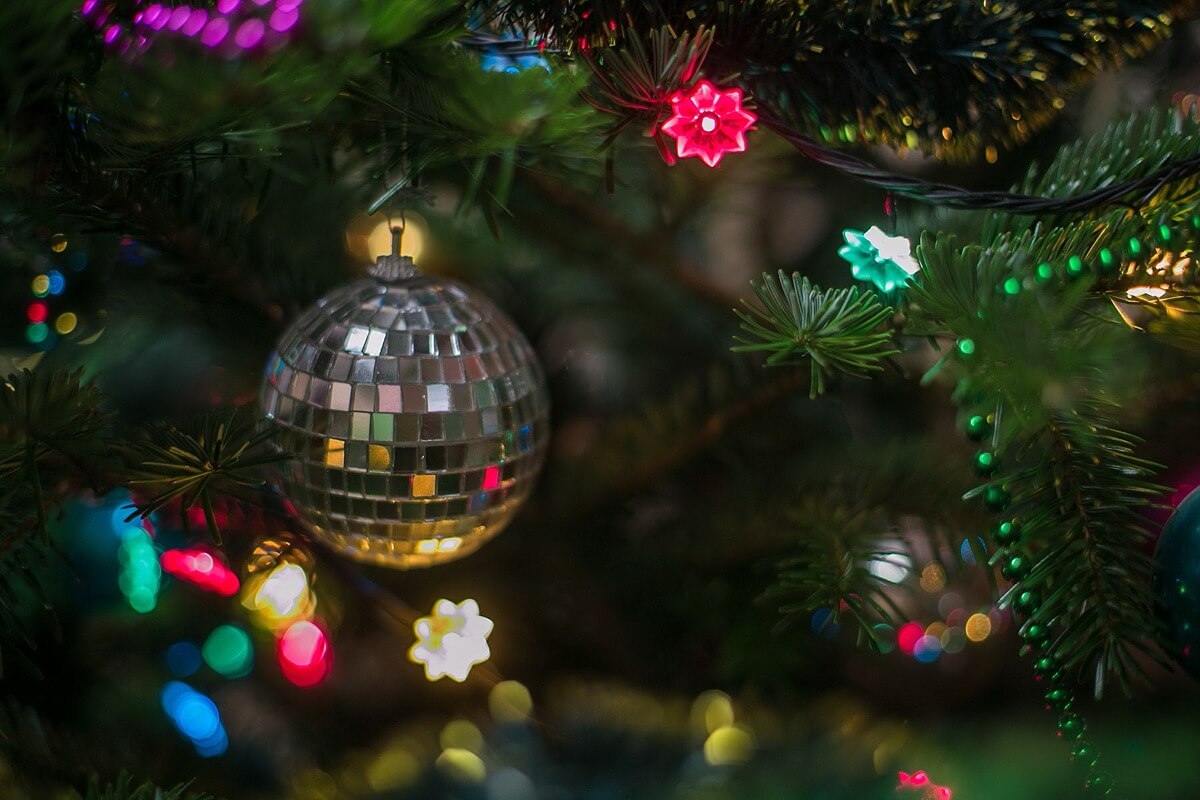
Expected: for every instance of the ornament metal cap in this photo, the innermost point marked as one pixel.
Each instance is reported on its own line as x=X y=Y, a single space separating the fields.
x=392 y=268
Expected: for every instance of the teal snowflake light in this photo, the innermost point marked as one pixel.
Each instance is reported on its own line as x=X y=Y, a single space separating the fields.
x=885 y=261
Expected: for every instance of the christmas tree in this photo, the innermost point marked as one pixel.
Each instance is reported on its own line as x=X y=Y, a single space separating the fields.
x=533 y=399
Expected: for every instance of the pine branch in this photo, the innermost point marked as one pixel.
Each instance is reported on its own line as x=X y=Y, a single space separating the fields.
x=210 y=456
x=829 y=566
x=44 y=415
x=126 y=789
x=947 y=77
x=838 y=329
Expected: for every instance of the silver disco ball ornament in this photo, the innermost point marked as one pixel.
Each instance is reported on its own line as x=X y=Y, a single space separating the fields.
x=417 y=414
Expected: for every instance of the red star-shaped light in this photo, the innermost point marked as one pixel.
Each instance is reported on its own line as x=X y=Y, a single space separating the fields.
x=708 y=122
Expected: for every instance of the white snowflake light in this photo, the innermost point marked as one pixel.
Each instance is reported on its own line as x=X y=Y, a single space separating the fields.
x=451 y=640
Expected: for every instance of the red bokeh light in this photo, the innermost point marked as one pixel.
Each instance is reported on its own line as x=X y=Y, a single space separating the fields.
x=907 y=637
x=304 y=654
x=202 y=568
x=37 y=312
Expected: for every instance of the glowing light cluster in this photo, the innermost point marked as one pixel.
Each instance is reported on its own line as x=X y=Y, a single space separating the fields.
x=928 y=643
x=233 y=25
x=451 y=640
x=727 y=743
x=919 y=781
x=140 y=576
x=304 y=654
x=280 y=596
x=202 y=568
x=707 y=123
x=196 y=717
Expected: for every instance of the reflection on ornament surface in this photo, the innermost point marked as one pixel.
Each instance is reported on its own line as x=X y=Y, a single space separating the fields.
x=451 y=640
x=1176 y=582
x=418 y=414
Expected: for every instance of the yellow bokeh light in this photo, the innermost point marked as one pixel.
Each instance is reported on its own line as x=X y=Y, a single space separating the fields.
x=935 y=629
x=427 y=546
x=368 y=237
x=462 y=765
x=65 y=323
x=933 y=577
x=313 y=784
x=729 y=745
x=41 y=285
x=712 y=710
x=510 y=701
x=395 y=768
x=449 y=544
x=281 y=595
x=462 y=735
x=58 y=242
x=978 y=627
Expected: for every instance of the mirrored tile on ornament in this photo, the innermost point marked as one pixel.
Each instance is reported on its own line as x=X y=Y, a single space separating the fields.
x=390 y=398
x=360 y=426
x=438 y=397
x=452 y=422
x=374 y=343
x=339 y=396
x=365 y=395
x=431 y=427
x=364 y=370
x=386 y=370
x=414 y=398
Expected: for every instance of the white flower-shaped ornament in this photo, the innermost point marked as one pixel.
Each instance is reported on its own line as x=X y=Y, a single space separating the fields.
x=451 y=640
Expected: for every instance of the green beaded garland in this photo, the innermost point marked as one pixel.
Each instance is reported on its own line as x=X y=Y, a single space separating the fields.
x=1098 y=782
x=996 y=499
x=1084 y=752
x=977 y=427
x=1046 y=666
x=1059 y=697
x=1036 y=635
x=1071 y=726
x=1027 y=601
x=1007 y=533
x=1016 y=567
x=986 y=462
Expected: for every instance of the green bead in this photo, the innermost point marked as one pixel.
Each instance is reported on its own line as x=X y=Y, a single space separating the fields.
x=1164 y=234
x=1036 y=635
x=1135 y=247
x=1084 y=752
x=1016 y=567
x=1027 y=601
x=1044 y=272
x=996 y=499
x=977 y=428
x=1071 y=726
x=1007 y=533
x=1059 y=698
x=1011 y=286
x=986 y=462
x=966 y=346
x=1108 y=262
x=1098 y=783
x=1075 y=266
x=1046 y=666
